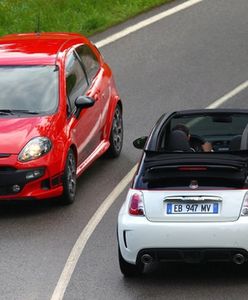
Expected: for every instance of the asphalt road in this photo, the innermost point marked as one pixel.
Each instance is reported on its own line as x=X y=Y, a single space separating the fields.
x=187 y=60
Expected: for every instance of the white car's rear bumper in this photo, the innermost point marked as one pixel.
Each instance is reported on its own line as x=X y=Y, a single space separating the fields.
x=136 y=233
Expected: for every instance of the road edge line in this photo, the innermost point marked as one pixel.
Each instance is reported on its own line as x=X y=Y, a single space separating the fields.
x=146 y=23
x=229 y=95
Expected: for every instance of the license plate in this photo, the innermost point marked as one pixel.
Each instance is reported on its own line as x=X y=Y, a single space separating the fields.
x=192 y=208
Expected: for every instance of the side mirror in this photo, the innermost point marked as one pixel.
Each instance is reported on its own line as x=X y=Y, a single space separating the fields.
x=140 y=142
x=84 y=102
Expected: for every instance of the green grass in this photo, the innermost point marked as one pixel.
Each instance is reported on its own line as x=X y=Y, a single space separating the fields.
x=83 y=16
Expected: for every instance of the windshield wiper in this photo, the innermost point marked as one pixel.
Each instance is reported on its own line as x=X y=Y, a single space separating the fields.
x=17 y=111
x=25 y=111
x=5 y=112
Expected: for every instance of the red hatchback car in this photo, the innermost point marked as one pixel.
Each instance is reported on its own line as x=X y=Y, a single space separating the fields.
x=59 y=111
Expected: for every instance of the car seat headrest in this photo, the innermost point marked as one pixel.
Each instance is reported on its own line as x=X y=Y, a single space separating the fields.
x=178 y=141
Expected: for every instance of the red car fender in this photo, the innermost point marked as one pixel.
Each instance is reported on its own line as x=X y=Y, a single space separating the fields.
x=63 y=156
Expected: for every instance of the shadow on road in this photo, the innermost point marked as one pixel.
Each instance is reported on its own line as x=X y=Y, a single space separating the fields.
x=197 y=272
x=25 y=208
x=192 y=281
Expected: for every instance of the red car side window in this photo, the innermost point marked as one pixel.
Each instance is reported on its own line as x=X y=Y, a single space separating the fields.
x=89 y=61
x=76 y=83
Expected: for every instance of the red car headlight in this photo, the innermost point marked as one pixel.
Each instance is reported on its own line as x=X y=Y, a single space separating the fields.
x=34 y=149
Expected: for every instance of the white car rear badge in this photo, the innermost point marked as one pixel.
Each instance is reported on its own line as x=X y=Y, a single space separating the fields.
x=194 y=184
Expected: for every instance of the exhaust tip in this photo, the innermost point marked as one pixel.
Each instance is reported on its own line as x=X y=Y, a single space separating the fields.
x=238 y=259
x=146 y=259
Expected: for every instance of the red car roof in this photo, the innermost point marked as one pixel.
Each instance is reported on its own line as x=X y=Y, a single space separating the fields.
x=34 y=48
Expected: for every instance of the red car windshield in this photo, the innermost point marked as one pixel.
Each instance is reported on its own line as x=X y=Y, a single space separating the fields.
x=28 y=89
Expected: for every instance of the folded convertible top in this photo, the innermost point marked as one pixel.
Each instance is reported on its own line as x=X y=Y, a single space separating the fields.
x=208 y=169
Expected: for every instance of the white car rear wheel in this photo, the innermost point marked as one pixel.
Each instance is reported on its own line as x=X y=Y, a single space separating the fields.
x=129 y=270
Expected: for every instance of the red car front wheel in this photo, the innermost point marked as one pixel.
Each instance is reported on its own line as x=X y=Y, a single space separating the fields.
x=69 y=179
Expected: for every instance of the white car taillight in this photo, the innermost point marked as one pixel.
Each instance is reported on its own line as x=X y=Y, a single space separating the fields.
x=244 y=210
x=136 y=205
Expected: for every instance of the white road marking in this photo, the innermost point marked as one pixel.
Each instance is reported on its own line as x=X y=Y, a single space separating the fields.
x=146 y=22
x=86 y=233
x=229 y=95
x=79 y=246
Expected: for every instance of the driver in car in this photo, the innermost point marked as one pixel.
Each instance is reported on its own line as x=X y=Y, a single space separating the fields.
x=205 y=146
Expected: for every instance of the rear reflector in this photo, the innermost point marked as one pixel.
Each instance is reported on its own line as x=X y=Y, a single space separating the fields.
x=244 y=210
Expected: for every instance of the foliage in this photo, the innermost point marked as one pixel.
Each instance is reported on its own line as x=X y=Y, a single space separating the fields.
x=83 y=16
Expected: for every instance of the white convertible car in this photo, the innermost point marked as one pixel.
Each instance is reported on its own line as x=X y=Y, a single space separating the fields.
x=189 y=198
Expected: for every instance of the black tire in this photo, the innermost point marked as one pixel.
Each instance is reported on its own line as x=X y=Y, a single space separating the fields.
x=116 y=135
x=69 y=180
x=127 y=269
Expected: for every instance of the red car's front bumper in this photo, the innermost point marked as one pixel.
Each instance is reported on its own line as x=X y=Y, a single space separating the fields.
x=34 y=180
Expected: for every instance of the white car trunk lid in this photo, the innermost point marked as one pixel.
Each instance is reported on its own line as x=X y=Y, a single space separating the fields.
x=198 y=205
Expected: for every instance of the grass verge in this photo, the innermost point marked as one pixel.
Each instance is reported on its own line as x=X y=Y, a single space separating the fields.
x=83 y=16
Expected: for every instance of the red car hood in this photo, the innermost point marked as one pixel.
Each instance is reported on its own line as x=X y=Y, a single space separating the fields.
x=15 y=133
